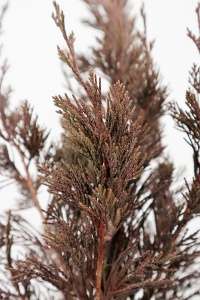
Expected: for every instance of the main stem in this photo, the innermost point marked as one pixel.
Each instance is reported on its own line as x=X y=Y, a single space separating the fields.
x=101 y=253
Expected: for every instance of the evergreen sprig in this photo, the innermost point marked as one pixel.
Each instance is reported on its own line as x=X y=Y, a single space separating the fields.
x=115 y=227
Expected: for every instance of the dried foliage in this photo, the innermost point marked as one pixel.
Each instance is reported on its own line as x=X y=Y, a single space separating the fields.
x=114 y=228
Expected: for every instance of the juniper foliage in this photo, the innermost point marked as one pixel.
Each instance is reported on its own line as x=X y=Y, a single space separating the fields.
x=115 y=227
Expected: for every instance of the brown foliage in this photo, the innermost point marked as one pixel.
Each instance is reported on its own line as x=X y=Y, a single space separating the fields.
x=114 y=226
